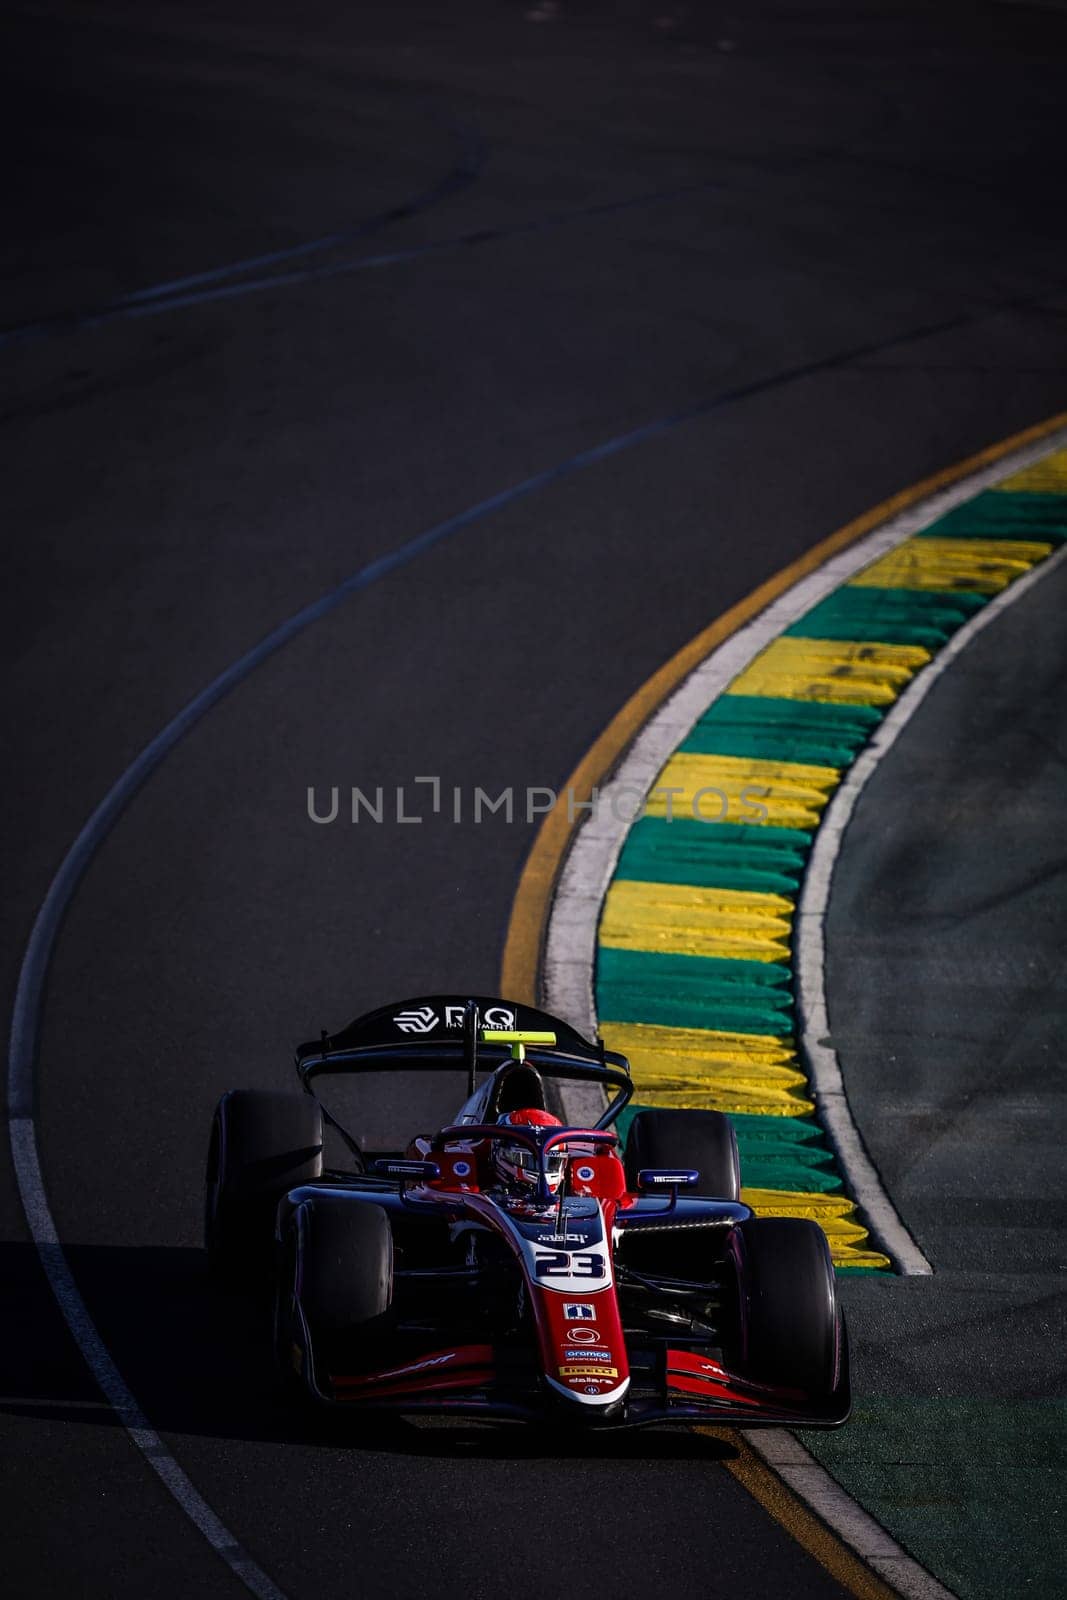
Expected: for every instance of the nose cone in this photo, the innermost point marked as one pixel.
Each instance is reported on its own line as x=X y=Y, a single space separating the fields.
x=593 y=1393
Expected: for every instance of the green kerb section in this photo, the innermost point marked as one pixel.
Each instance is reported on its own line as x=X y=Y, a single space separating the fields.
x=888 y=616
x=785 y=1154
x=694 y=992
x=996 y=514
x=719 y=855
x=762 y=728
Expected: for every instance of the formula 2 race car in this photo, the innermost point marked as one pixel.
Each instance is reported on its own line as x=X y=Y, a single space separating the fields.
x=511 y=1265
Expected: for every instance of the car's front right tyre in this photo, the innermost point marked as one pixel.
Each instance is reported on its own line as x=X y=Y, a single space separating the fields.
x=334 y=1290
x=790 y=1330
x=263 y=1143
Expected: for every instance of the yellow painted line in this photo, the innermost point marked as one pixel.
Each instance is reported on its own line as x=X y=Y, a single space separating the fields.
x=681 y=919
x=809 y=1531
x=521 y=963
x=785 y=794
x=749 y=1073
x=1046 y=477
x=840 y=671
x=835 y=1214
x=982 y=566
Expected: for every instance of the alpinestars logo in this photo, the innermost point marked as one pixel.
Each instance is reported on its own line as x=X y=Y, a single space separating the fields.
x=424 y=1020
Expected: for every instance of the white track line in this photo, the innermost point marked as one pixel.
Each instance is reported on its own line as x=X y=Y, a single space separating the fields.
x=570 y=945
x=112 y=1384
x=809 y=925
x=811 y=1483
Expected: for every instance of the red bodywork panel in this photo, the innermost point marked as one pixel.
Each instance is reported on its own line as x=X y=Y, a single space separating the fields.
x=693 y=1374
x=592 y=1371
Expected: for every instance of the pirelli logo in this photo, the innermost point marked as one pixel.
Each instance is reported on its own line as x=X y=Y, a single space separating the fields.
x=588 y=1372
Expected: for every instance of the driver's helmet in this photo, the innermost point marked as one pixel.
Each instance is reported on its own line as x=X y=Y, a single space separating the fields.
x=515 y=1165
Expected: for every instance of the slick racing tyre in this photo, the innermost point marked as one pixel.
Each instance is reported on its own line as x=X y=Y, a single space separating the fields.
x=702 y=1140
x=263 y=1143
x=334 y=1288
x=790 y=1329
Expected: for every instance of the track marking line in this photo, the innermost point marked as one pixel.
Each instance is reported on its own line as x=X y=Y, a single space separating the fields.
x=107 y=1375
x=778 y=1471
x=766 y=1477
x=225 y=283
x=197 y=287
x=810 y=931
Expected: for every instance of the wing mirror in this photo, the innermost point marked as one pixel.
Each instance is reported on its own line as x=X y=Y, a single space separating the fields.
x=408 y=1171
x=667 y=1178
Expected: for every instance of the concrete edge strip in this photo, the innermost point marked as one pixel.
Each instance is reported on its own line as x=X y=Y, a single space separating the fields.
x=809 y=965
x=570 y=941
x=833 y=1505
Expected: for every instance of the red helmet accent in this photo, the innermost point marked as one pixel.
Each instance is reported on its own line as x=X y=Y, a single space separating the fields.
x=516 y=1166
x=531 y=1118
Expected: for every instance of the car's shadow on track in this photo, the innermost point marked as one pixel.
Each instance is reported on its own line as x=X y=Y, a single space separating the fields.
x=197 y=1359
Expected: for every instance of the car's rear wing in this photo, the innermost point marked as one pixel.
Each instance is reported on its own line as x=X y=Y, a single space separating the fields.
x=438 y=1033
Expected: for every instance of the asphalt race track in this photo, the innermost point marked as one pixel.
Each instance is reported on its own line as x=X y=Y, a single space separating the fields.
x=825 y=242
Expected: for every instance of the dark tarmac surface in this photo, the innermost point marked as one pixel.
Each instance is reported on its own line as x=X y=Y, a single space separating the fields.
x=177 y=484
x=948 y=1007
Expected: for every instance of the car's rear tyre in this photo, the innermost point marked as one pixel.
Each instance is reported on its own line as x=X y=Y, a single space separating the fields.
x=790 y=1330
x=704 y=1140
x=263 y=1143
x=334 y=1288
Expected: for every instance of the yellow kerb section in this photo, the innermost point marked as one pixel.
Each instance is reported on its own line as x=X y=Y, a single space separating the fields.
x=1045 y=477
x=832 y=670
x=786 y=794
x=677 y=919
x=835 y=1214
x=751 y=1073
x=982 y=566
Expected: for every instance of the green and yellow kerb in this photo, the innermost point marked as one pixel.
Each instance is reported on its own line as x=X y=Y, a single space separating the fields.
x=694 y=977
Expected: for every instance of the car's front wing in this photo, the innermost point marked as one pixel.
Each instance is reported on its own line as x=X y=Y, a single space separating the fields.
x=679 y=1386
